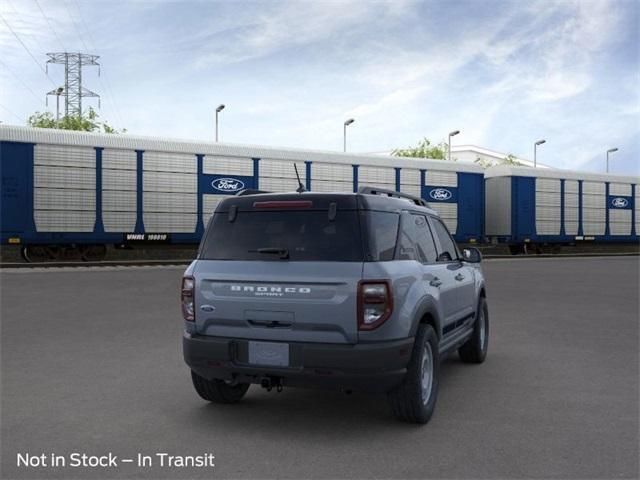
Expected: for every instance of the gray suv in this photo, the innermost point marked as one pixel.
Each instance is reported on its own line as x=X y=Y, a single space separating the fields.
x=356 y=291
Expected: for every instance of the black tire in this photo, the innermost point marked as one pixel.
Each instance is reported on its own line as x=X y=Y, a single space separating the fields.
x=218 y=391
x=474 y=350
x=407 y=399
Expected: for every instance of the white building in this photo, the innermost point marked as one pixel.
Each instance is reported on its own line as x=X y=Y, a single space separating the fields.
x=470 y=153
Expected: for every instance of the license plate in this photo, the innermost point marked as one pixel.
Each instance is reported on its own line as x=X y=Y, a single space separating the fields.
x=269 y=353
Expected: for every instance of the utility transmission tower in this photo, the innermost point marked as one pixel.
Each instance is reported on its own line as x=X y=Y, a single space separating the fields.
x=73 y=91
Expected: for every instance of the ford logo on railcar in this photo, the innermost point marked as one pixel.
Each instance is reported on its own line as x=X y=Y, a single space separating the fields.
x=619 y=202
x=440 y=194
x=228 y=184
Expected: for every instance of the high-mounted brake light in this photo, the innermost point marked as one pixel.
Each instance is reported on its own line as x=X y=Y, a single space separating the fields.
x=284 y=204
x=375 y=303
x=186 y=298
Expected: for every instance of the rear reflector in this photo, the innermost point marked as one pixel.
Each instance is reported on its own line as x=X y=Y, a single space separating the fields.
x=284 y=204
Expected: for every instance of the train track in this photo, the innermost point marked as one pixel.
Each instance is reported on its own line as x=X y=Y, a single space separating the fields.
x=182 y=262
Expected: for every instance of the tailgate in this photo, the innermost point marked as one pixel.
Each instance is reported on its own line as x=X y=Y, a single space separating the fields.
x=280 y=301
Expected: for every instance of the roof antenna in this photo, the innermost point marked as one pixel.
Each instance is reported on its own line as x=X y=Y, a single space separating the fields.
x=300 y=188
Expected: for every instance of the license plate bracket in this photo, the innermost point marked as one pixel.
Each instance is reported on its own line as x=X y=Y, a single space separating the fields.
x=269 y=353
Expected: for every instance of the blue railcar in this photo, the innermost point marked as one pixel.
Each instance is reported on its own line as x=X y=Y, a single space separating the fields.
x=86 y=190
x=528 y=207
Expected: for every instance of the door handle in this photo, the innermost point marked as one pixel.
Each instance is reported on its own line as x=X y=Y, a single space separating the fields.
x=435 y=282
x=459 y=277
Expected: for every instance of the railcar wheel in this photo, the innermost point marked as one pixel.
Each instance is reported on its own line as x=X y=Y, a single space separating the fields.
x=40 y=253
x=93 y=253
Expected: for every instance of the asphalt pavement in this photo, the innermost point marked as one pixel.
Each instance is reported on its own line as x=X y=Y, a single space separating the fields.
x=91 y=363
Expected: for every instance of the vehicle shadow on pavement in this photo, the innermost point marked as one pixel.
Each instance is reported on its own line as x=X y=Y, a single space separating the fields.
x=311 y=411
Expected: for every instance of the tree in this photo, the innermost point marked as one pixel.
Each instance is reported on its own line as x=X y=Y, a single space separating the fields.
x=510 y=159
x=87 y=123
x=424 y=150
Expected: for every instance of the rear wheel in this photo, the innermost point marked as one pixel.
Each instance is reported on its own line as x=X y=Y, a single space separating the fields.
x=415 y=398
x=474 y=350
x=218 y=391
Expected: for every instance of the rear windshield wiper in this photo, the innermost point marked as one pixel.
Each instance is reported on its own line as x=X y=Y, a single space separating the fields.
x=283 y=252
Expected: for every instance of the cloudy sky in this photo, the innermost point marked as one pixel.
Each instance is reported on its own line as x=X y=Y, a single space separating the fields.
x=505 y=73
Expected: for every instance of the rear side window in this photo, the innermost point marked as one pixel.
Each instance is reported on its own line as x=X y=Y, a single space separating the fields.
x=284 y=235
x=382 y=233
x=448 y=249
x=416 y=242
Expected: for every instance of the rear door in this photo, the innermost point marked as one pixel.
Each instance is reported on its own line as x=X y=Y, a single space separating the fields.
x=461 y=274
x=285 y=275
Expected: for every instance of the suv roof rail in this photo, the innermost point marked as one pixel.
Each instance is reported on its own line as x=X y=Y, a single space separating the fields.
x=392 y=193
x=250 y=191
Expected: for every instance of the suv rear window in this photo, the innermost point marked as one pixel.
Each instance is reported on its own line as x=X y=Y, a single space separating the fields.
x=284 y=235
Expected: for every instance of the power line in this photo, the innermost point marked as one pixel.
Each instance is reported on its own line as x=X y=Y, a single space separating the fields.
x=75 y=26
x=50 y=25
x=10 y=112
x=35 y=95
x=106 y=85
x=27 y=49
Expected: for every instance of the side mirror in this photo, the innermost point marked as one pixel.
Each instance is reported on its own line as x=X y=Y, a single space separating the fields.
x=471 y=255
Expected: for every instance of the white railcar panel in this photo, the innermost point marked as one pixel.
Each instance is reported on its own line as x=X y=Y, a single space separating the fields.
x=331 y=186
x=384 y=186
x=571 y=217
x=119 y=159
x=448 y=213
x=547 y=185
x=548 y=206
x=64 y=199
x=209 y=205
x=410 y=176
x=441 y=178
x=331 y=171
x=169 y=182
x=376 y=175
x=64 y=220
x=594 y=201
x=279 y=169
x=548 y=227
x=411 y=189
x=619 y=222
x=593 y=188
x=279 y=184
x=637 y=209
x=170 y=202
x=155 y=222
x=119 y=201
x=570 y=228
x=121 y=180
x=115 y=221
x=571 y=186
x=217 y=165
x=64 y=156
x=620 y=189
x=169 y=162
x=548 y=199
x=64 y=177
x=571 y=200
x=593 y=228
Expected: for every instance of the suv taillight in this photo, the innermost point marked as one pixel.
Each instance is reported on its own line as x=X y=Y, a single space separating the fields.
x=375 y=303
x=186 y=297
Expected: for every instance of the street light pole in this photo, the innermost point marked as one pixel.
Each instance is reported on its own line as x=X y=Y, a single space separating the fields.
x=344 y=133
x=59 y=91
x=218 y=110
x=611 y=150
x=535 y=152
x=452 y=134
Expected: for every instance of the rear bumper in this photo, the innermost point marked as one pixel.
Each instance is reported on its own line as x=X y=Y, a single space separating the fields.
x=376 y=367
